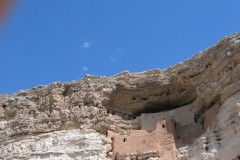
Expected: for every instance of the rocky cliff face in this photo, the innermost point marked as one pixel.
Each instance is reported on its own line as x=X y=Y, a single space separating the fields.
x=188 y=111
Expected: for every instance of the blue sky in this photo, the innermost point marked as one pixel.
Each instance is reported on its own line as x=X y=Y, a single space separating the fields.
x=44 y=41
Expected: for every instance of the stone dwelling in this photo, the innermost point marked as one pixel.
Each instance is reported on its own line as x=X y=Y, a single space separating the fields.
x=160 y=134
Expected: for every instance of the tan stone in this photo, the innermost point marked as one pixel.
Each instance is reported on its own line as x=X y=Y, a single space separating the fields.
x=197 y=101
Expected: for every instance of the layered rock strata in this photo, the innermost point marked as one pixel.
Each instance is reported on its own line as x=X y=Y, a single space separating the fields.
x=188 y=111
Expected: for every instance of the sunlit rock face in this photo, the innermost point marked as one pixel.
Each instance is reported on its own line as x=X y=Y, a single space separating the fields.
x=221 y=139
x=188 y=111
x=70 y=144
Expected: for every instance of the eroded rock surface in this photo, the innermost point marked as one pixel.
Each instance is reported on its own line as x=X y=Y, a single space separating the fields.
x=188 y=111
x=70 y=144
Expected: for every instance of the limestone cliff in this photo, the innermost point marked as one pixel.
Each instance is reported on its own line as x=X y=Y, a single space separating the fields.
x=188 y=111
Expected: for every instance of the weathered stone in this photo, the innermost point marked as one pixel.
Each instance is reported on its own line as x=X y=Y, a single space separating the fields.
x=187 y=111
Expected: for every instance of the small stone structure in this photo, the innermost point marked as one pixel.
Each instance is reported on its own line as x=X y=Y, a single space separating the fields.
x=160 y=134
x=161 y=141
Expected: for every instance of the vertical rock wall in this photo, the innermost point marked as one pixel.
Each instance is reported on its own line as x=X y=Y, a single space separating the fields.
x=89 y=119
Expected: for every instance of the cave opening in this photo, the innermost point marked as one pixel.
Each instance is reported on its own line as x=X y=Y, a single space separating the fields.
x=153 y=97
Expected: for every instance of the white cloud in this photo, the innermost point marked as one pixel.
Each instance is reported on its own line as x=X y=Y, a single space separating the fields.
x=112 y=59
x=116 y=56
x=119 y=50
x=84 y=68
x=86 y=45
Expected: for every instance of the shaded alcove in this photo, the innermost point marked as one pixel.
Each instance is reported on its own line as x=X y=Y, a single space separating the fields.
x=151 y=97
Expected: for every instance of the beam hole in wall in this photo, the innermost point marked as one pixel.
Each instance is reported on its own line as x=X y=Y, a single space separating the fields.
x=163 y=126
x=124 y=139
x=4 y=106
